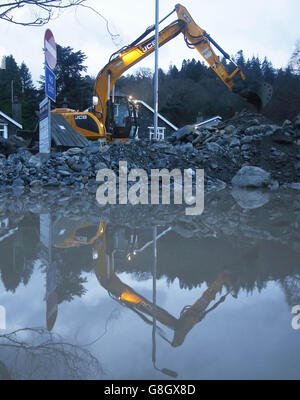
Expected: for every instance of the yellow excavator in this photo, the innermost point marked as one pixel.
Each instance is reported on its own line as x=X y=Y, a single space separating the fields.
x=110 y=119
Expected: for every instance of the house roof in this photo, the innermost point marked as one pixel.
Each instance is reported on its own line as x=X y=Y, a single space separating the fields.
x=11 y=120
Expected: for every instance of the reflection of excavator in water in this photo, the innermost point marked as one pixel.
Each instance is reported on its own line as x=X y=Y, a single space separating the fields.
x=103 y=239
x=111 y=119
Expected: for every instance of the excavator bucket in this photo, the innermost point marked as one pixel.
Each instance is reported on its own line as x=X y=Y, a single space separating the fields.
x=259 y=94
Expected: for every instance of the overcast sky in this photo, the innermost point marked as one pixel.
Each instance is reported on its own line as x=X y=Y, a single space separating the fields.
x=261 y=28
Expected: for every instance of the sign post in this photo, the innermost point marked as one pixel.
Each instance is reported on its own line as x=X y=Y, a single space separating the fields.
x=45 y=127
x=50 y=93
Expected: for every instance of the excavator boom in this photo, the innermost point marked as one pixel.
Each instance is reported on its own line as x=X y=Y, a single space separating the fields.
x=125 y=59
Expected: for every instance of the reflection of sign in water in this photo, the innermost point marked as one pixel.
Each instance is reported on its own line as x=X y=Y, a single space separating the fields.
x=2 y=318
x=51 y=271
x=51 y=296
x=46 y=232
x=44 y=127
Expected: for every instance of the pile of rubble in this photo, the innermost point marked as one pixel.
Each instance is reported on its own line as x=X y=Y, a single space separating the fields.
x=247 y=140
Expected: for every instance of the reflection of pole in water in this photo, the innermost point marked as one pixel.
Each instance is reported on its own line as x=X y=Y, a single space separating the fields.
x=165 y=371
x=51 y=271
x=154 y=296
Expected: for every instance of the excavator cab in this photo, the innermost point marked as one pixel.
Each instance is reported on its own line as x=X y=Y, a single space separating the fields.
x=121 y=122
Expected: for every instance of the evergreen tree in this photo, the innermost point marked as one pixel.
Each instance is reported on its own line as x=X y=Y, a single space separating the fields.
x=240 y=59
x=7 y=76
x=29 y=98
x=70 y=85
x=173 y=72
x=268 y=71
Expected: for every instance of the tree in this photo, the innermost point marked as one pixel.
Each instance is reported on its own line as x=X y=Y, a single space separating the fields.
x=173 y=72
x=29 y=98
x=72 y=89
x=46 y=355
x=7 y=76
x=268 y=71
x=41 y=10
x=240 y=59
x=23 y=89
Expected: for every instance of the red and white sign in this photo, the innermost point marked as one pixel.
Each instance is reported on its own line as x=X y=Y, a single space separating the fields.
x=50 y=49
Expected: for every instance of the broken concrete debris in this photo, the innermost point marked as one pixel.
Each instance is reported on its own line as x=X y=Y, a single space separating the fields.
x=235 y=148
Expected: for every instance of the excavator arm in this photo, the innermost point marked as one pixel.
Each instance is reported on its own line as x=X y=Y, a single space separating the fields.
x=196 y=37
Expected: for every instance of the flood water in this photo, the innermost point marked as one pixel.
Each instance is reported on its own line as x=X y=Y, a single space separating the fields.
x=129 y=292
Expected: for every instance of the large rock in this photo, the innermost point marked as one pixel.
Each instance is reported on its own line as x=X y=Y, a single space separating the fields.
x=250 y=199
x=249 y=176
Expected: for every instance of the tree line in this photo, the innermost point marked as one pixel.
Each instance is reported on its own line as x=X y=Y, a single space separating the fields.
x=194 y=88
x=183 y=92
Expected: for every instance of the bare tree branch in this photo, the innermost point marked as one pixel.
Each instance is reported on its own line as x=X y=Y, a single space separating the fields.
x=112 y=35
x=35 y=353
x=44 y=11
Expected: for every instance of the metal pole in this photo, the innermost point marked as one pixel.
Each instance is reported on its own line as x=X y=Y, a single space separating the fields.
x=156 y=68
x=108 y=85
x=48 y=150
x=49 y=113
x=154 y=296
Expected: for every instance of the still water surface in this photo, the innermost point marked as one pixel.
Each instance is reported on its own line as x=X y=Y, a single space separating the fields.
x=81 y=287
